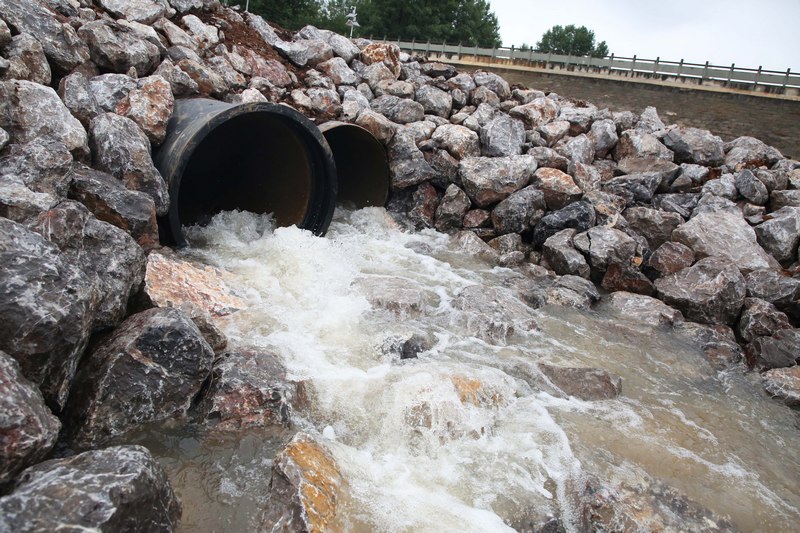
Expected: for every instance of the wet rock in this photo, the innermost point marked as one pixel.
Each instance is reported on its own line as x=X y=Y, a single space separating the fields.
x=693 y=145
x=121 y=149
x=470 y=244
x=502 y=136
x=381 y=127
x=150 y=107
x=459 y=141
x=604 y=245
x=306 y=488
x=654 y=225
x=424 y=202
x=634 y=187
x=670 y=257
x=245 y=390
x=386 y=53
x=520 y=211
x=149 y=369
x=489 y=180
x=751 y=188
x=401 y=296
x=29 y=111
x=780 y=234
x=603 y=136
x=747 y=152
x=400 y=110
x=26 y=60
x=783 y=384
x=626 y=277
x=781 y=350
x=711 y=291
x=445 y=165
x=173 y=282
x=476 y=218
x=492 y=315
x=122 y=488
x=717 y=342
x=724 y=234
x=559 y=189
x=760 y=318
x=208 y=82
x=454 y=205
x=634 y=143
x=562 y=256
x=107 y=255
x=579 y=216
x=642 y=308
x=549 y=158
x=407 y=164
x=536 y=113
x=588 y=384
x=434 y=101
x=28 y=430
x=117 y=48
x=46 y=310
x=60 y=42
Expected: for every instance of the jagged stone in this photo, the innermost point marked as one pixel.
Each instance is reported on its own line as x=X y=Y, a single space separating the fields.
x=180 y=82
x=634 y=187
x=711 y=291
x=626 y=277
x=502 y=136
x=670 y=257
x=468 y=242
x=122 y=488
x=554 y=131
x=454 y=205
x=207 y=36
x=781 y=350
x=42 y=165
x=680 y=203
x=635 y=143
x=559 y=189
x=642 y=308
x=693 y=145
x=484 y=95
x=400 y=89
x=445 y=165
x=337 y=70
x=520 y=211
x=603 y=136
x=576 y=149
x=588 y=384
x=27 y=60
x=150 y=106
x=787 y=198
x=477 y=218
x=578 y=215
x=386 y=53
x=231 y=77
x=654 y=225
x=381 y=127
x=480 y=117
x=747 y=152
x=143 y=11
x=489 y=180
x=580 y=118
x=526 y=96
x=717 y=342
x=407 y=164
x=459 y=141
x=649 y=121
x=493 y=82
x=400 y=110
x=424 y=202
x=549 y=158
x=492 y=315
x=208 y=82
x=604 y=245
x=561 y=255
x=783 y=384
x=780 y=234
x=724 y=187
x=117 y=48
x=536 y=113
x=751 y=188
x=760 y=318
x=434 y=101
x=586 y=177
x=76 y=95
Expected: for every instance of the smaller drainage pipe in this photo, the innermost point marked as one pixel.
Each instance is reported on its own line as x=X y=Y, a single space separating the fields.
x=257 y=157
x=361 y=165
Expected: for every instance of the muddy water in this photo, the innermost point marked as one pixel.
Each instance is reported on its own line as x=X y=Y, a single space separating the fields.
x=468 y=436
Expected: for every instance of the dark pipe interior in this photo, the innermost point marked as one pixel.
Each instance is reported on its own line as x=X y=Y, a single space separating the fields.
x=361 y=166
x=253 y=162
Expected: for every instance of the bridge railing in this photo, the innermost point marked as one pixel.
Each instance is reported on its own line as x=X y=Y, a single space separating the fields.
x=730 y=74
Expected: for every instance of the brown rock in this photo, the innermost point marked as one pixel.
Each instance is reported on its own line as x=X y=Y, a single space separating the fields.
x=476 y=218
x=626 y=277
x=760 y=318
x=150 y=107
x=784 y=384
x=670 y=257
x=386 y=53
x=717 y=342
x=559 y=188
x=584 y=383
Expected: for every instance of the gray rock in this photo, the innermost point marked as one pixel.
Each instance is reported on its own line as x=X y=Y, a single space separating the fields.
x=725 y=234
x=773 y=180
x=482 y=115
x=559 y=189
x=520 y=211
x=654 y=225
x=5 y=34
x=424 y=202
x=109 y=201
x=400 y=110
x=747 y=152
x=561 y=255
x=401 y=89
x=578 y=215
x=788 y=198
x=207 y=36
x=580 y=118
x=586 y=177
x=634 y=187
x=176 y=37
x=4 y=138
x=121 y=149
x=491 y=314
x=642 y=308
x=462 y=81
x=635 y=143
x=231 y=77
x=407 y=164
x=261 y=27
x=381 y=127
x=493 y=82
x=60 y=42
x=42 y=165
x=446 y=167
x=549 y=158
x=460 y=142
x=180 y=82
x=454 y=205
x=692 y=145
x=577 y=149
x=435 y=101
x=697 y=174
x=182 y=6
x=608 y=207
x=46 y=310
x=343 y=47
x=669 y=258
x=681 y=203
x=711 y=291
x=28 y=430
x=30 y=111
x=760 y=319
x=150 y=369
x=484 y=95
x=208 y=82
x=108 y=90
x=489 y=180
x=27 y=60
x=625 y=120
x=626 y=276
x=376 y=73
x=526 y=96
x=150 y=106
x=122 y=488
x=649 y=121
x=604 y=245
x=717 y=343
x=536 y=113
x=74 y=92
x=337 y=70
x=552 y=132
x=781 y=350
x=143 y=11
x=751 y=188
x=117 y=48
x=780 y=235
x=588 y=384
x=667 y=170
x=784 y=384
x=603 y=136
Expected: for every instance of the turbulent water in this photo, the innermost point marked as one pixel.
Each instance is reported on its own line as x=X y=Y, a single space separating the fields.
x=465 y=437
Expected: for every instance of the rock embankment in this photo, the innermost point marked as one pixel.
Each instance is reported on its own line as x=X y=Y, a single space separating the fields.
x=681 y=228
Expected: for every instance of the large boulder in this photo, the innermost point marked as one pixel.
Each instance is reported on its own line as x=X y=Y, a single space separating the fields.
x=149 y=105
x=603 y=136
x=491 y=314
x=493 y=82
x=558 y=187
x=502 y=136
x=579 y=216
x=337 y=70
x=588 y=384
x=435 y=101
x=712 y=291
x=561 y=255
x=121 y=149
x=604 y=245
x=641 y=308
x=693 y=145
x=488 y=180
x=751 y=188
x=149 y=369
x=536 y=113
x=118 y=48
x=760 y=318
x=777 y=288
x=28 y=430
x=520 y=211
x=654 y=225
x=29 y=111
x=635 y=188
x=633 y=143
x=143 y=11
x=780 y=234
x=781 y=350
x=386 y=53
x=407 y=164
x=577 y=149
x=724 y=233
x=400 y=110
x=27 y=60
x=47 y=309
x=452 y=208
x=459 y=141
x=42 y=165
x=747 y=152
x=122 y=488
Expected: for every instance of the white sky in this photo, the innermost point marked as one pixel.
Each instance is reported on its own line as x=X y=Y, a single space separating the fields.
x=746 y=32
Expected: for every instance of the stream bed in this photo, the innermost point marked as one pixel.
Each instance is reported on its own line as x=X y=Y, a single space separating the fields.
x=469 y=435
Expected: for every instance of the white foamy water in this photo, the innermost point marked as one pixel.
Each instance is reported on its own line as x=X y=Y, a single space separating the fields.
x=463 y=438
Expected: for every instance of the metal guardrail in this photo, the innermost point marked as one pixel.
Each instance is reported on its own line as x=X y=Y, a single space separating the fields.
x=618 y=65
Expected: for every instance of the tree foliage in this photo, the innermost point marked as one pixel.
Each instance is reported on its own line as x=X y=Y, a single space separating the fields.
x=571 y=40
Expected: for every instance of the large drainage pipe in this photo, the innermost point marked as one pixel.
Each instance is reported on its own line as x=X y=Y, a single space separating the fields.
x=361 y=165
x=257 y=157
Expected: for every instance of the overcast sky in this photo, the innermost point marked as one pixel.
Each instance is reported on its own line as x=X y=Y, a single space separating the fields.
x=746 y=32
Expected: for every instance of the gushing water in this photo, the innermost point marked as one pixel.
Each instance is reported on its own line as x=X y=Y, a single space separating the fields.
x=469 y=435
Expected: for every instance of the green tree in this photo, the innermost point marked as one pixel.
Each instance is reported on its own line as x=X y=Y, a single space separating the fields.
x=569 y=40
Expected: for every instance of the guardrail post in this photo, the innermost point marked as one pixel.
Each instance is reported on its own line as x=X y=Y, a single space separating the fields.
x=549 y=57
x=705 y=72
x=611 y=63
x=459 y=49
x=494 y=52
x=428 y=48
x=758 y=75
x=655 y=65
x=530 y=56
x=730 y=74
x=786 y=79
x=444 y=47
x=633 y=64
x=680 y=68
x=413 y=39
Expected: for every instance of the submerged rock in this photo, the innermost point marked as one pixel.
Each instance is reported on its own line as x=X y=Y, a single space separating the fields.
x=587 y=384
x=642 y=308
